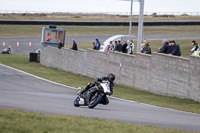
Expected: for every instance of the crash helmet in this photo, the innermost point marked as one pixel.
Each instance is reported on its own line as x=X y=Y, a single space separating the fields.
x=111 y=77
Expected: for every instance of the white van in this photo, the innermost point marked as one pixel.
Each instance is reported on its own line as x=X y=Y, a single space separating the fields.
x=114 y=38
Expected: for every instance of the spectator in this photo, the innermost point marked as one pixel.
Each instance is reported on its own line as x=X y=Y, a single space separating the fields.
x=97 y=44
x=60 y=45
x=119 y=46
x=112 y=46
x=109 y=47
x=115 y=45
x=94 y=46
x=165 y=47
x=169 y=47
x=147 y=48
x=124 y=47
x=175 y=49
x=49 y=37
x=195 y=47
x=74 y=45
x=130 y=47
x=143 y=47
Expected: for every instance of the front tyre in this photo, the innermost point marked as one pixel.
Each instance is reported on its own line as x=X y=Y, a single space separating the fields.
x=94 y=100
x=76 y=102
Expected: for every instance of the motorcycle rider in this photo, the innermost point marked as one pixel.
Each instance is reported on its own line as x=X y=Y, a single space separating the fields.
x=110 y=77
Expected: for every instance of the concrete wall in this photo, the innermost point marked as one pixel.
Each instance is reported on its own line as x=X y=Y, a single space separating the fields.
x=158 y=73
x=64 y=59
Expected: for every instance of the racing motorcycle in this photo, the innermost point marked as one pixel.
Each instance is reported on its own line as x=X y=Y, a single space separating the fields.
x=93 y=96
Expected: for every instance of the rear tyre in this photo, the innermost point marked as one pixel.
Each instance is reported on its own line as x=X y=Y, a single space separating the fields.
x=94 y=100
x=76 y=102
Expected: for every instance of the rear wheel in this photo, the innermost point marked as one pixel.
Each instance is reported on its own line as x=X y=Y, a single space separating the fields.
x=76 y=102
x=94 y=99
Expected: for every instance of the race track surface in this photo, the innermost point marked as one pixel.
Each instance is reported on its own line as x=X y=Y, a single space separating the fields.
x=36 y=41
x=19 y=90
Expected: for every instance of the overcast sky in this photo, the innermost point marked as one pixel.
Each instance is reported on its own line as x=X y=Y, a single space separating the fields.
x=100 y=5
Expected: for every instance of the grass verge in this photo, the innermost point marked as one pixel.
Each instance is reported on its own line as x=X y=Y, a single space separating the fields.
x=120 y=91
x=12 y=121
x=36 y=30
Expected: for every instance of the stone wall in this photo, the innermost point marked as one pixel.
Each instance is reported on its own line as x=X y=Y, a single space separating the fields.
x=158 y=73
x=64 y=59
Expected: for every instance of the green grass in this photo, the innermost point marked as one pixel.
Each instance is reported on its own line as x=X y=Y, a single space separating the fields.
x=120 y=91
x=185 y=45
x=36 y=30
x=12 y=121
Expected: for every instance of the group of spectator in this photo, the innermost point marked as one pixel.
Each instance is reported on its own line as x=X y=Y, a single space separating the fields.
x=170 y=47
x=117 y=46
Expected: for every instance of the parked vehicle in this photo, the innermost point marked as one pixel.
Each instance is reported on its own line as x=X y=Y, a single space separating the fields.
x=114 y=38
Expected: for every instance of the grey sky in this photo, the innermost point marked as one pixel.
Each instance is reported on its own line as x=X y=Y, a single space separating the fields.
x=100 y=5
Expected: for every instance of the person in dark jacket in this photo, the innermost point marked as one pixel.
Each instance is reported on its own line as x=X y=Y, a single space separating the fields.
x=164 y=48
x=119 y=46
x=169 y=47
x=60 y=45
x=124 y=50
x=147 y=48
x=175 y=49
x=143 y=47
x=74 y=45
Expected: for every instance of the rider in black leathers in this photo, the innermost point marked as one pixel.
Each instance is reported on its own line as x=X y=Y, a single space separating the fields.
x=110 y=77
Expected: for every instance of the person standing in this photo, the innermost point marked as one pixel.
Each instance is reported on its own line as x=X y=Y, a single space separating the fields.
x=195 y=48
x=74 y=45
x=147 y=48
x=49 y=37
x=119 y=46
x=60 y=45
x=175 y=49
x=115 y=46
x=143 y=47
x=97 y=44
x=112 y=46
x=130 y=47
x=164 y=48
x=124 y=47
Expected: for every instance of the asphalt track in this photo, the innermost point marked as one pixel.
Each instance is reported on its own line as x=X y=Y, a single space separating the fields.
x=19 y=90
x=36 y=41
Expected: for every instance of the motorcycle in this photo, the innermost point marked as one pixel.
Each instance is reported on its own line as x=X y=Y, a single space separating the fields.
x=93 y=96
x=6 y=50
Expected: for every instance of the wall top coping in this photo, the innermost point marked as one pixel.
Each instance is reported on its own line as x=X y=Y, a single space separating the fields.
x=167 y=55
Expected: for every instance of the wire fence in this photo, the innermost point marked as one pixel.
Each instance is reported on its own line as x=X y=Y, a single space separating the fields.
x=105 y=13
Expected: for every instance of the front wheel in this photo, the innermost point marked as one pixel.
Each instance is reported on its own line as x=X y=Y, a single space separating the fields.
x=76 y=102
x=94 y=99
